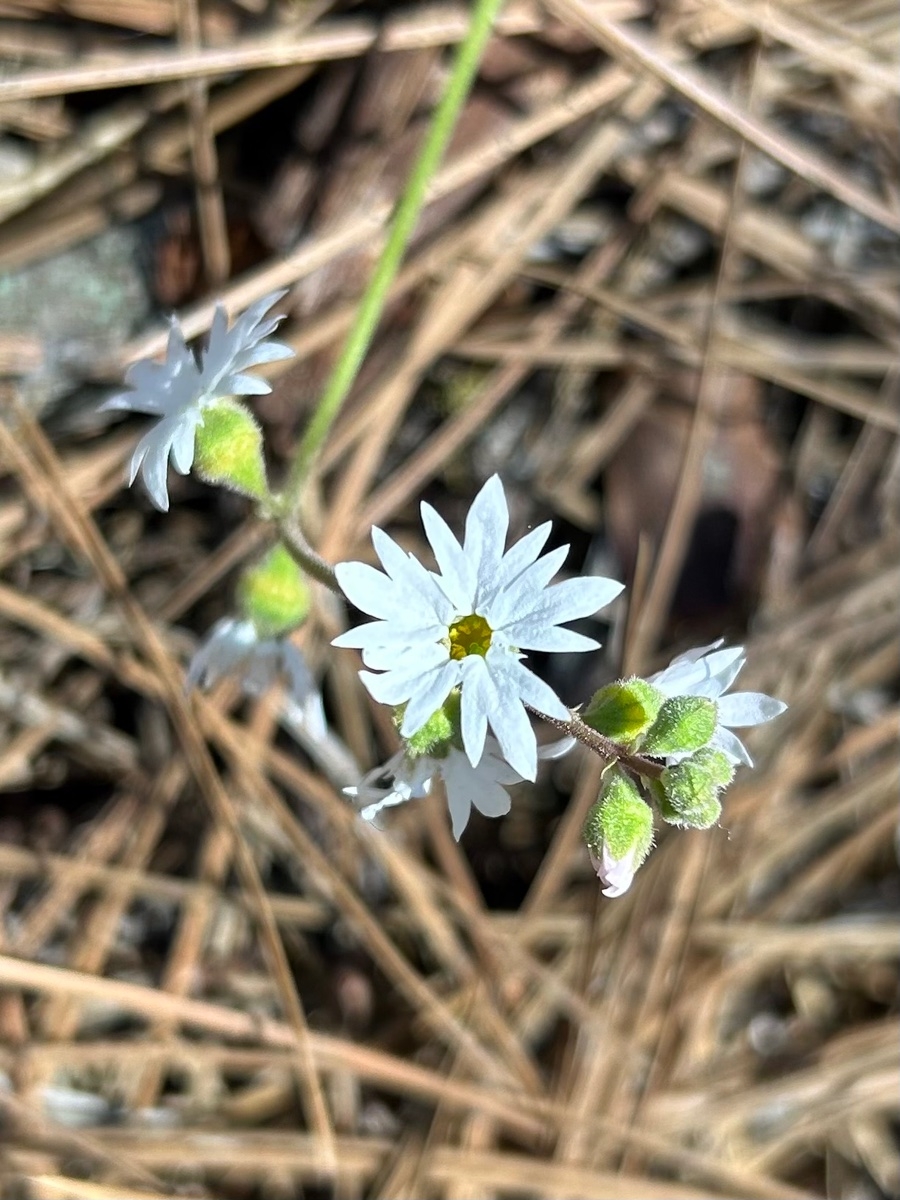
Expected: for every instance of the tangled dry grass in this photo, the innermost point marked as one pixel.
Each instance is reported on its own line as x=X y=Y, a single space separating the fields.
x=214 y=980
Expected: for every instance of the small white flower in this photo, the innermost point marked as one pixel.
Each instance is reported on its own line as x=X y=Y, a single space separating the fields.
x=178 y=389
x=466 y=626
x=616 y=873
x=482 y=786
x=709 y=671
x=233 y=647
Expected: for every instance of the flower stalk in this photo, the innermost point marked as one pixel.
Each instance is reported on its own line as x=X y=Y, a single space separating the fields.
x=403 y=223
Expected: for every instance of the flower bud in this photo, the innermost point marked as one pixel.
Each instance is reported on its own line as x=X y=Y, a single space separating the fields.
x=624 y=710
x=684 y=724
x=228 y=450
x=439 y=732
x=273 y=594
x=688 y=791
x=618 y=833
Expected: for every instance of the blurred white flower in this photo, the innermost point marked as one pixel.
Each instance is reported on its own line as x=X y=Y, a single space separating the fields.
x=233 y=647
x=177 y=390
x=482 y=786
x=466 y=626
x=709 y=671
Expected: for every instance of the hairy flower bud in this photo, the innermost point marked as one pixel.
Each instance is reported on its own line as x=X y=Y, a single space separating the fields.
x=624 y=710
x=273 y=594
x=684 y=724
x=689 y=791
x=618 y=833
x=228 y=450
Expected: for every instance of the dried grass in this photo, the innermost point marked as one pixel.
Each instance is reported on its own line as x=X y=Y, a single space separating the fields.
x=332 y=1011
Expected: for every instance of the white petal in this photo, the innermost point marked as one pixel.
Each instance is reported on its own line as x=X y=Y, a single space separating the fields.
x=478 y=698
x=521 y=555
x=682 y=679
x=457 y=784
x=417 y=656
x=492 y=799
x=396 y=687
x=512 y=727
x=393 y=558
x=557 y=749
x=379 y=596
x=428 y=698
x=155 y=465
x=748 y=708
x=617 y=874
x=552 y=639
x=528 y=687
x=731 y=745
x=524 y=593
x=457 y=579
x=713 y=687
x=244 y=385
x=690 y=656
x=486 y=527
x=566 y=602
x=411 y=578
x=182 y=449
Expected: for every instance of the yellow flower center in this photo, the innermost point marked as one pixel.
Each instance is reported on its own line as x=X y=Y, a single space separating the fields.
x=470 y=635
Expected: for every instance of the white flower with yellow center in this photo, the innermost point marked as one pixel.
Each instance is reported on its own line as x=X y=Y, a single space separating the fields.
x=466 y=626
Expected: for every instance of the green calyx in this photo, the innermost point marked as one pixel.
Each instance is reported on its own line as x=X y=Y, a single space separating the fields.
x=438 y=734
x=684 y=724
x=620 y=821
x=688 y=792
x=273 y=594
x=624 y=710
x=228 y=450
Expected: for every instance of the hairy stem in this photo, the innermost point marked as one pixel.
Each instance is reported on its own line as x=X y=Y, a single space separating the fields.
x=304 y=556
x=603 y=746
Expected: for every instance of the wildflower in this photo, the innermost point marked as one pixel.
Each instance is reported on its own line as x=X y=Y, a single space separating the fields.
x=179 y=389
x=465 y=627
x=482 y=786
x=709 y=672
x=235 y=647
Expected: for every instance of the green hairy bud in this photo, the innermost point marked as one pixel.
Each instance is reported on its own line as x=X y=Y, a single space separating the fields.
x=621 y=822
x=438 y=733
x=688 y=792
x=273 y=594
x=685 y=723
x=624 y=710
x=228 y=450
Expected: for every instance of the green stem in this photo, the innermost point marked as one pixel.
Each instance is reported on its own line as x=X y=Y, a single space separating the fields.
x=406 y=215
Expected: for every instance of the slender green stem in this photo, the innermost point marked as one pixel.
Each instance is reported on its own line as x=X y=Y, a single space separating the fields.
x=403 y=223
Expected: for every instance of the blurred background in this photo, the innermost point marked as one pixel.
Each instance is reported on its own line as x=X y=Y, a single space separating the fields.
x=656 y=288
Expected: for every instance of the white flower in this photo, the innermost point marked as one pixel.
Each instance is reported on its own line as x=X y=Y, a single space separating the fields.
x=482 y=786
x=465 y=627
x=178 y=389
x=233 y=647
x=616 y=873
x=709 y=671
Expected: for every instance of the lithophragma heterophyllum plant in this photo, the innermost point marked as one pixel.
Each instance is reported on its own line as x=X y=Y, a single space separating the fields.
x=446 y=648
